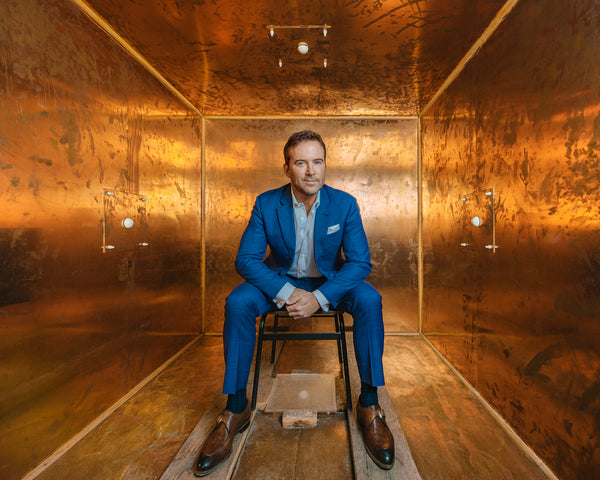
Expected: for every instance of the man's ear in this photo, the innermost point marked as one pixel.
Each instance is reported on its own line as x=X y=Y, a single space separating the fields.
x=286 y=169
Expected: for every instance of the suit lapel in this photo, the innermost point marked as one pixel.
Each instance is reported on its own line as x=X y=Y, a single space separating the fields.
x=285 y=216
x=321 y=219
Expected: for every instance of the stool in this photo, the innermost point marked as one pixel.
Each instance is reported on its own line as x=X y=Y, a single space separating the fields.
x=338 y=335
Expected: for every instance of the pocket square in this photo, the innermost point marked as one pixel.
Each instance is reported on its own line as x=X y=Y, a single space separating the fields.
x=333 y=229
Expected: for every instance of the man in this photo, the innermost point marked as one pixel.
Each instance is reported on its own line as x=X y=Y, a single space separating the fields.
x=319 y=259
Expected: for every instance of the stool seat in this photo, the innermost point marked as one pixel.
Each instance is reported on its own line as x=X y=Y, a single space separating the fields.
x=338 y=335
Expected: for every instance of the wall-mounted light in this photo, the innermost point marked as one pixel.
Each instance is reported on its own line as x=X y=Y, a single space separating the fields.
x=280 y=63
x=479 y=211
x=325 y=32
x=272 y=32
x=127 y=222
x=325 y=63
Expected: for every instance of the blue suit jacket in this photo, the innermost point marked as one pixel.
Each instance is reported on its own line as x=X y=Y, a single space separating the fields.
x=340 y=244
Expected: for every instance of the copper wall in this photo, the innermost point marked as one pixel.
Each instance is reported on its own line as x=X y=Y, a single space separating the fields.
x=374 y=160
x=523 y=323
x=80 y=327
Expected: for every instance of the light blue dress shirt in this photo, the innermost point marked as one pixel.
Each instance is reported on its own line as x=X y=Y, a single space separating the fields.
x=304 y=264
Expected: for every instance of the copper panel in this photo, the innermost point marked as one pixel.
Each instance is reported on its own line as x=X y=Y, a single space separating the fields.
x=522 y=324
x=81 y=327
x=374 y=160
x=385 y=57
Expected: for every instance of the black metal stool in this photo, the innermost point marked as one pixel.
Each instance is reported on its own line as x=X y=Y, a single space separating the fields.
x=338 y=335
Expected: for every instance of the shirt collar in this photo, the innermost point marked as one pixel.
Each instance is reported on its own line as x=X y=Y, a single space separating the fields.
x=298 y=204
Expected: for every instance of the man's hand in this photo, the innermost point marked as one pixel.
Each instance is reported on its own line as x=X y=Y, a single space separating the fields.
x=301 y=304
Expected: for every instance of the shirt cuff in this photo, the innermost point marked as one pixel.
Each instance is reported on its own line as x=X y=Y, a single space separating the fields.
x=322 y=300
x=283 y=294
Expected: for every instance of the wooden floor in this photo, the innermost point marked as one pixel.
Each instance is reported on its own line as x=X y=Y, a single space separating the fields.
x=450 y=435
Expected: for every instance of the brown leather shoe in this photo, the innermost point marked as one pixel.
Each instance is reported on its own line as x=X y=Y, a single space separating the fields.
x=217 y=446
x=379 y=441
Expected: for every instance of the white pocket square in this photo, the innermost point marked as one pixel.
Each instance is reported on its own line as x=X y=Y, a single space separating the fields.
x=333 y=229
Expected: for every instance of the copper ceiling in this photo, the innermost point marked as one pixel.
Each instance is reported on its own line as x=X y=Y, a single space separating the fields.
x=385 y=57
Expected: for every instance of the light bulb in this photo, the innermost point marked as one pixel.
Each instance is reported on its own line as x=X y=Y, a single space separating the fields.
x=303 y=48
x=280 y=63
x=272 y=32
x=325 y=32
x=325 y=63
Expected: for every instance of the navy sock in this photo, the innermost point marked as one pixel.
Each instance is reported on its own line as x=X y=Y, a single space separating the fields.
x=237 y=401
x=368 y=395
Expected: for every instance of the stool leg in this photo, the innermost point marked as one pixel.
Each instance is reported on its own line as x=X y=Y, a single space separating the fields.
x=275 y=322
x=258 y=359
x=345 y=362
x=339 y=344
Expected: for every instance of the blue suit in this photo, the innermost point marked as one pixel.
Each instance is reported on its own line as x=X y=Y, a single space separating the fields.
x=341 y=254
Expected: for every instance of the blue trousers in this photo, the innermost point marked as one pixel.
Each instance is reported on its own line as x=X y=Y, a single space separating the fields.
x=246 y=302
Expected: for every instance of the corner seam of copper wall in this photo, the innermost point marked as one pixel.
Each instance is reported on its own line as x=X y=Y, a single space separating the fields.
x=203 y=227
x=526 y=449
x=419 y=228
x=65 y=447
x=487 y=33
x=138 y=57
x=311 y=117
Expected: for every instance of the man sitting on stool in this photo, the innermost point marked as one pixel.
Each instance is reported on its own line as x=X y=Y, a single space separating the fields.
x=319 y=258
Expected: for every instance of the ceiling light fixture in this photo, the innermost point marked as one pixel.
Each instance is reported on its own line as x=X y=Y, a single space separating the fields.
x=303 y=48
x=305 y=38
x=271 y=28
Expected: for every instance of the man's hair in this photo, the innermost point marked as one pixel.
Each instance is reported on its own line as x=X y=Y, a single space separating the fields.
x=299 y=137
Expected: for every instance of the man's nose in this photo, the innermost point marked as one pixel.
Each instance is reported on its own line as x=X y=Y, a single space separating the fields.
x=310 y=169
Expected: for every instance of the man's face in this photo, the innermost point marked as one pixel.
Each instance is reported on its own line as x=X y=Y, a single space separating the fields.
x=306 y=169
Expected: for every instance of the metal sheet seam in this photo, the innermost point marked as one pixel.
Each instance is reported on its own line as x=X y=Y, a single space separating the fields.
x=311 y=117
x=112 y=33
x=527 y=450
x=203 y=226
x=63 y=449
x=419 y=227
x=487 y=33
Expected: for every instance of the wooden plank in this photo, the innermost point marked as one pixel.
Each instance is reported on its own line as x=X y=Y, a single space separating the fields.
x=182 y=466
x=364 y=468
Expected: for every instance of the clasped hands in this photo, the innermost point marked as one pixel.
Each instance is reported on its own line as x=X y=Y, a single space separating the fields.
x=301 y=304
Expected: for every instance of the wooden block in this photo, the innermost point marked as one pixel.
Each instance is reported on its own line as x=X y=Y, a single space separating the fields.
x=299 y=419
